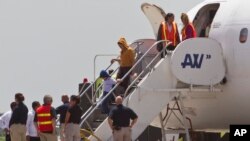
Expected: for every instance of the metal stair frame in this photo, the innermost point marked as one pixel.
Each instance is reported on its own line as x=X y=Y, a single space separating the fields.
x=96 y=105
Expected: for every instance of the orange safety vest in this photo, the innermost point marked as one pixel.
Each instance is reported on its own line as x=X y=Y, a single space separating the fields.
x=44 y=118
x=171 y=36
x=183 y=32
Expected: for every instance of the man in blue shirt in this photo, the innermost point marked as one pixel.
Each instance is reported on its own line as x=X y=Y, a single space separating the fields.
x=18 y=120
x=119 y=121
x=62 y=110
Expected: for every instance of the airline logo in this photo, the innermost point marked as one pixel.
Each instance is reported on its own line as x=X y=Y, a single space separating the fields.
x=194 y=61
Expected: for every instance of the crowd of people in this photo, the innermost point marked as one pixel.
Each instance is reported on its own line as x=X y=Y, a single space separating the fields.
x=39 y=124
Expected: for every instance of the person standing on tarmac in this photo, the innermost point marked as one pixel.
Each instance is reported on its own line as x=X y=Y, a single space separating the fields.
x=168 y=30
x=73 y=119
x=5 y=120
x=119 y=121
x=188 y=30
x=18 y=119
x=62 y=110
x=31 y=134
x=45 y=120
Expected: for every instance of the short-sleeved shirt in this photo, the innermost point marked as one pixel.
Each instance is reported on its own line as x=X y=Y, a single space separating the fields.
x=62 y=110
x=75 y=114
x=30 y=126
x=5 y=120
x=108 y=84
x=122 y=115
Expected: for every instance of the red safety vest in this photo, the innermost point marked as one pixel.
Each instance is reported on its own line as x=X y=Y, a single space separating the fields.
x=183 y=32
x=171 y=36
x=44 y=118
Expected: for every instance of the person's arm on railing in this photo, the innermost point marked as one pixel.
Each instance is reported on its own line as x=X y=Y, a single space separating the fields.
x=115 y=60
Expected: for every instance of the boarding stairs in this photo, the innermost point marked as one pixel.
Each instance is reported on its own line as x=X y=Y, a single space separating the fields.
x=156 y=85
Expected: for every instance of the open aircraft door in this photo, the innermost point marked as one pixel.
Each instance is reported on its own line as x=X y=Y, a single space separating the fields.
x=198 y=61
x=154 y=14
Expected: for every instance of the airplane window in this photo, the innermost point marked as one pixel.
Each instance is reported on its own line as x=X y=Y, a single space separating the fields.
x=243 y=35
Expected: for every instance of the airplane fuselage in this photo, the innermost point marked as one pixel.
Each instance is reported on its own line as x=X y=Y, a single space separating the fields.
x=231 y=106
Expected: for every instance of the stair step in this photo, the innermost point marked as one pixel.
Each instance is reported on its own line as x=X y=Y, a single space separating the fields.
x=95 y=124
x=98 y=120
x=100 y=117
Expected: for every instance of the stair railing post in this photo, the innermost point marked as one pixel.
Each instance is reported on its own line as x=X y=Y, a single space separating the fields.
x=184 y=117
x=162 y=128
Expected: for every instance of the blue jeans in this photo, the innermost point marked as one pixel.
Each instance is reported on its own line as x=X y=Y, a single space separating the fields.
x=105 y=103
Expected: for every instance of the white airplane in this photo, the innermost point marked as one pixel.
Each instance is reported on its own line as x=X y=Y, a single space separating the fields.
x=229 y=29
x=210 y=77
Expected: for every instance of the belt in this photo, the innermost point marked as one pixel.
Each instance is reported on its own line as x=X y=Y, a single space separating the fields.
x=120 y=126
x=19 y=123
x=73 y=122
x=48 y=132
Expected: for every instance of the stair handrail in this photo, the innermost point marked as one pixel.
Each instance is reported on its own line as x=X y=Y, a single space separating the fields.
x=96 y=91
x=137 y=52
x=90 y=86
x=87 y=115
x=148 y=65
x=132 y=83
x=103 y=55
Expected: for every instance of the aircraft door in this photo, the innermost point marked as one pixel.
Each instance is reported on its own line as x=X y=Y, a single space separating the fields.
x=154 y=14
x=204 y=19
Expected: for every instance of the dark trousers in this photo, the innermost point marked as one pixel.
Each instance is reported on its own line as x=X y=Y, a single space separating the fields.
x=34 y=138
x=122 y=72
x=171 y=47
x=160 y=48
x=7 y=138
x=105 y=103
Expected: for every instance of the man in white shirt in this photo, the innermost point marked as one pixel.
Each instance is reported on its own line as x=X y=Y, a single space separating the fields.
x=31 y=129
x=5 y=120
